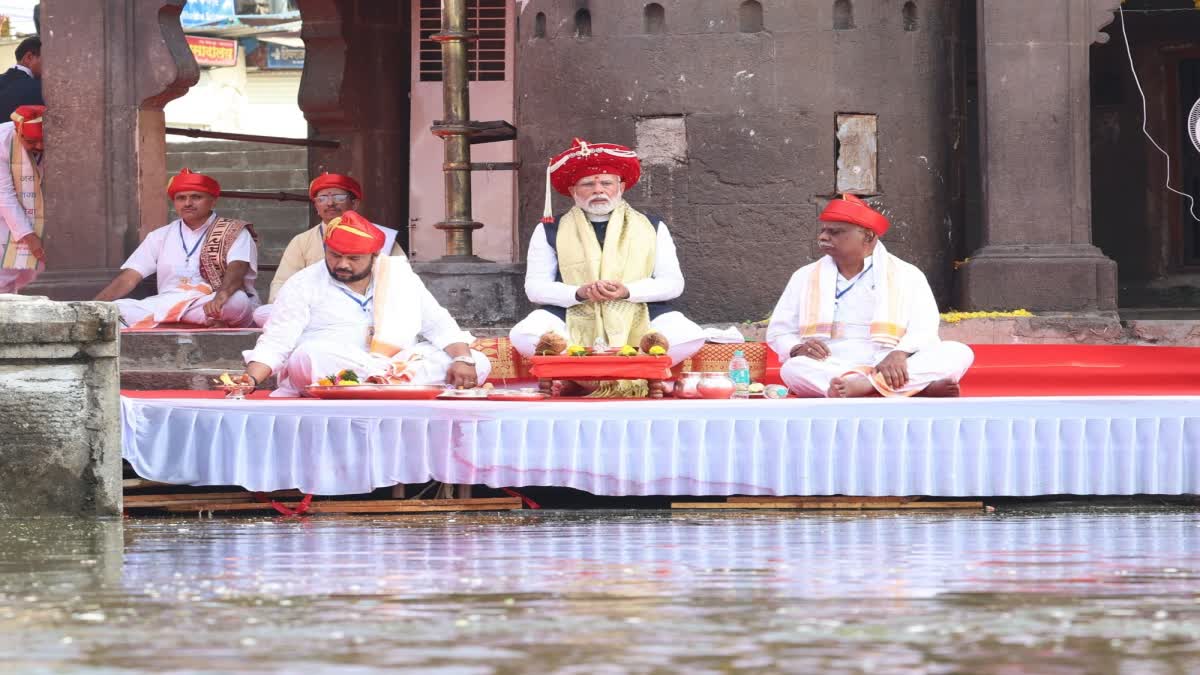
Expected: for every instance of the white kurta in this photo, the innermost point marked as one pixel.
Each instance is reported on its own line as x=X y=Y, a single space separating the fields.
x=319 y=327
x=172 y=254
x=852 y=347
x=16 y=221
x=543 y=288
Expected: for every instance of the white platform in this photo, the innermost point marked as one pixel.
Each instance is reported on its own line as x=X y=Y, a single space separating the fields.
x=961 y=447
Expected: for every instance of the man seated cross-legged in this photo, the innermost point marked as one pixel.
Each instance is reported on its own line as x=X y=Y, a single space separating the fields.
x=860 y=321
x=205 y=265
x=332 y=194
x=603 y=270
x=359 y=311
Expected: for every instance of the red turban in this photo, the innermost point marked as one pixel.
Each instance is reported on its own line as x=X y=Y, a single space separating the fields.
x=585 y=159
x=851 y=209
x=351 y=234
x=334 y=180
x=186 y=181
x=28 y=120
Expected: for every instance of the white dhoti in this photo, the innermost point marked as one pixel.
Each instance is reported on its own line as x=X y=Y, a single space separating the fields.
x=684 y=335
x=944 y=360
x=12 y=281
x=262 y=314
x=184 y=307
x=314 y=359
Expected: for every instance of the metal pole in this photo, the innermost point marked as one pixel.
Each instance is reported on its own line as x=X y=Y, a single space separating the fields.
x=455 y=132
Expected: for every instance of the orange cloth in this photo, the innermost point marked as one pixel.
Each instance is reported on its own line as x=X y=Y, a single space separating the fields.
x=186 y=181
x=28 y=120
x=851 y=209
x=334 y=180
x=351 y=234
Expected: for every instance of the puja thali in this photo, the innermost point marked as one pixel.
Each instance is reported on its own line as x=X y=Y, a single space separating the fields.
x=378 y=392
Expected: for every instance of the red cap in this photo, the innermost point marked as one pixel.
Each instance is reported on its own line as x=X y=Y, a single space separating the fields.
x=351 y=234
x=186 y=181
x=851 y=209
x=334 y=180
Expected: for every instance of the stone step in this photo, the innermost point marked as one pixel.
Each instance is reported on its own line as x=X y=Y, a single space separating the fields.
x=192 y=379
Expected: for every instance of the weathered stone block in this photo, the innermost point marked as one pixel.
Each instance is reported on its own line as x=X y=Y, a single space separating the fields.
x=59 y=408
x=477 y=294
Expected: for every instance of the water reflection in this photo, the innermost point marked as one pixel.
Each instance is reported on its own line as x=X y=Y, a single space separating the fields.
x=1082 y=591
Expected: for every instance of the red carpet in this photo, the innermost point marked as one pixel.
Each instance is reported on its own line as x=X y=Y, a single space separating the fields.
x=1024 y=370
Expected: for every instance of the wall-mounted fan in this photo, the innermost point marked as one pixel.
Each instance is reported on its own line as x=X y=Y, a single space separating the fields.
x=1193 y=125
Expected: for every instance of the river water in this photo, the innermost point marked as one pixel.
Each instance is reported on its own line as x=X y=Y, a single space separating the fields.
x=1024 y=590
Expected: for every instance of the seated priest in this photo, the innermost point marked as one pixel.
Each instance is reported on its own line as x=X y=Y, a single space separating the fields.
x=359 y=311
x=332 y=194
x=860 y=321
x=603 y=271
x=205 y=265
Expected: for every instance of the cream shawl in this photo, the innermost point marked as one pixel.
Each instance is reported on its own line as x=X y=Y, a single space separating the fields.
x=627 y=255
x=893 y=299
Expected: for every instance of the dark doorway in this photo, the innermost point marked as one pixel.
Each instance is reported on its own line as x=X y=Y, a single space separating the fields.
x=1186 y=237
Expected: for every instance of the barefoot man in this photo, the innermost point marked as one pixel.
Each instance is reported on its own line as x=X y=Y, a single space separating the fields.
x=859 y=321
x=603 y=270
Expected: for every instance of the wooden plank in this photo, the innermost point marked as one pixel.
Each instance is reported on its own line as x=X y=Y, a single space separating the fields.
x=161 y=500
x=833 y=505
x=363 y=506
x=140 y=483
x=820 y=499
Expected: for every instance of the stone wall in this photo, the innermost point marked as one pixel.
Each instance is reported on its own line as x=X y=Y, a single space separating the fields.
x=59 y=408
x=741 y=133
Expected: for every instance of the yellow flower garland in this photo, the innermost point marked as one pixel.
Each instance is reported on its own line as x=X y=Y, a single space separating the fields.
x=955 y=317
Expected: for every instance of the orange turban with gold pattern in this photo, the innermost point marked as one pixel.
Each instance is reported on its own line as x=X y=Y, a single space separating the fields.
x=351 y=234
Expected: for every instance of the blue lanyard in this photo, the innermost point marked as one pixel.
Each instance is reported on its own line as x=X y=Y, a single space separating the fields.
x=188 y=254
x=362 y=304
x=837 y=295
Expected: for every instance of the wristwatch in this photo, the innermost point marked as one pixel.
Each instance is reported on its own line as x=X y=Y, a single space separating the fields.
x=463 y=359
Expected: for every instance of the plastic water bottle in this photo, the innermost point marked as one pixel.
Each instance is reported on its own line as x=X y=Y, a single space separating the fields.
x=739 y=372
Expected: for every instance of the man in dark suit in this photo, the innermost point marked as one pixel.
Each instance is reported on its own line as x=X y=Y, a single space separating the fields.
x=22 y=84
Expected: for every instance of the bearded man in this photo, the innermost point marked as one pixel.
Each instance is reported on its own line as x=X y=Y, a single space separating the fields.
x=361 y=311
x=332 y=195
x=21 y=255
x=860 y=321
x=603 y=271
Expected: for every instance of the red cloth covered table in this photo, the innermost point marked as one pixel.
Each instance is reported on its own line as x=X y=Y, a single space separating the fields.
x=653 y=369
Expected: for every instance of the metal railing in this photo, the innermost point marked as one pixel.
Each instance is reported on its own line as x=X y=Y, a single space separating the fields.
x=253 y=138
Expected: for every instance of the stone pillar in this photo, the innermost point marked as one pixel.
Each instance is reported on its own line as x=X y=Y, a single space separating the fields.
x=60 y=414
x=110 y=67
x=1035 y=159
x=357 y=70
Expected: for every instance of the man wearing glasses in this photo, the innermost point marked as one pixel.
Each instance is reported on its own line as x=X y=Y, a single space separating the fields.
x=332 y=195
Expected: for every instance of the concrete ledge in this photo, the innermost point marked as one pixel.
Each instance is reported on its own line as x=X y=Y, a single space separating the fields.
x=59 y=408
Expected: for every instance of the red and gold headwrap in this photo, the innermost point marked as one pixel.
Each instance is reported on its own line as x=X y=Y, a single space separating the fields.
x=28 y=120
x=186 y=181
x=585 y=159
x=851 y=209
x=334 y=180
x=351 y=234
